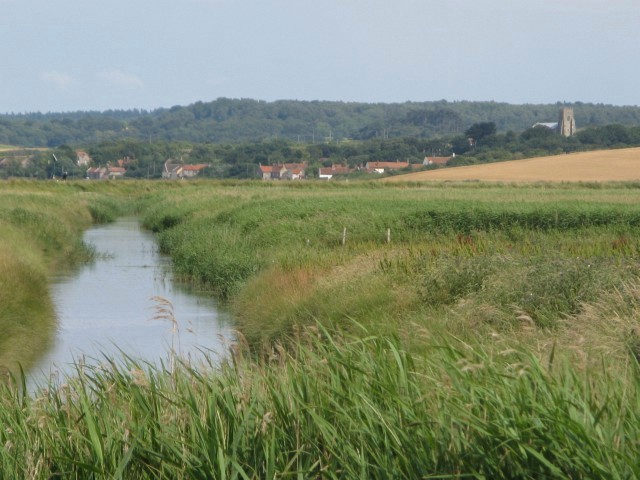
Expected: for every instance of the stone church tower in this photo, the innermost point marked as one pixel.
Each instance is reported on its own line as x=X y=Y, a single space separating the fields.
x=566 y=122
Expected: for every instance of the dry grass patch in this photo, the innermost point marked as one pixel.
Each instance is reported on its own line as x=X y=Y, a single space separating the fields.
x=621 y=165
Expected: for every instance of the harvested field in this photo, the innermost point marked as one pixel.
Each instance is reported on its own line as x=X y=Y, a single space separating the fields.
x=598 y=166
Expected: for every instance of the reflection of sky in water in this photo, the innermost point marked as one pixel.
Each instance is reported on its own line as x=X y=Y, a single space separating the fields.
x=107 y=307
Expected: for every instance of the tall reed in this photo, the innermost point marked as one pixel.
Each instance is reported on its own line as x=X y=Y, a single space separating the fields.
x=336 y=406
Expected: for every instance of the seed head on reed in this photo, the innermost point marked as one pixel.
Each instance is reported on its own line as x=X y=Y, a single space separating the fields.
x=163 y=311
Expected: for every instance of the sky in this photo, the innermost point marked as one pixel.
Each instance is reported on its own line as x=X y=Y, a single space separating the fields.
x=69 y=55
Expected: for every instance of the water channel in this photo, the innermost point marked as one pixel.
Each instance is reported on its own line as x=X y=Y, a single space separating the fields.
x=107 y=308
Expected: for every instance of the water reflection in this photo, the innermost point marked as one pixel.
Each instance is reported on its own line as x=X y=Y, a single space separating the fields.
x=107 y=307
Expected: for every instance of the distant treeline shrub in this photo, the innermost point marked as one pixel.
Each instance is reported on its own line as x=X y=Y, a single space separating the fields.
x=246 y=136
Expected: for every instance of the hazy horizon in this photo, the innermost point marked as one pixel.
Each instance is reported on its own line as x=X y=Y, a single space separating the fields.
x=151 y=110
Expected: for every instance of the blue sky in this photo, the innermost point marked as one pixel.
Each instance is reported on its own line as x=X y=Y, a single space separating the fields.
x=68 y=55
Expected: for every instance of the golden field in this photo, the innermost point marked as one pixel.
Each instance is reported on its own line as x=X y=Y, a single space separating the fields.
x=598 y=166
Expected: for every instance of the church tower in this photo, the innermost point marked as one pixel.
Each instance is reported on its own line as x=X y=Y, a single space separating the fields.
x=566 y=123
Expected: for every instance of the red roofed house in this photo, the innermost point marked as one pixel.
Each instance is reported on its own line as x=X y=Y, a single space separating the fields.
x=278 y=172
x=328 y=172
x=381 y=167
x=265 y=172
x=287 y=171
x=115 y=172
x=294 y=171
x=97 y=173
x=105 y=173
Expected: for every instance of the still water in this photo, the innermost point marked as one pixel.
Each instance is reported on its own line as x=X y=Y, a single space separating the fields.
x=108 y=307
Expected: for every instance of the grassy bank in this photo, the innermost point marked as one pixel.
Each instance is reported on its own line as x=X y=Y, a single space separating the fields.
x=445 y=330
x=40 y=232
x=470 y=258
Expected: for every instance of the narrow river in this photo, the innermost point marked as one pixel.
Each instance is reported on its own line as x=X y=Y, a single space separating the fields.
x=108 y=307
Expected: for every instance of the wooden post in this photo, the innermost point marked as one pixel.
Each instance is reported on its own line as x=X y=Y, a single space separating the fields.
x=388 y=235
x=344 y=236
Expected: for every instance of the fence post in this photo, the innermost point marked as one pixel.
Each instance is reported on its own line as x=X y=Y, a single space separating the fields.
x=388 y=235
x=344 y=236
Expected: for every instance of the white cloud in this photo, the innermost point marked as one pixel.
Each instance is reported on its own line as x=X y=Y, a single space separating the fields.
x=61 y=80
x=120 y=79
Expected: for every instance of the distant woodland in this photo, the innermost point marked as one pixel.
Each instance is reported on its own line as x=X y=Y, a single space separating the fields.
x=235 y=136
x=229 y=120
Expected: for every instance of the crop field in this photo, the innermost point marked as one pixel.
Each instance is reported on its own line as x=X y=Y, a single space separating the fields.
x=410 y=330
x=600 y=166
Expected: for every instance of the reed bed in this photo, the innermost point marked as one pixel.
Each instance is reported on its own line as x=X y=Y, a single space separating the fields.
x=337 y=405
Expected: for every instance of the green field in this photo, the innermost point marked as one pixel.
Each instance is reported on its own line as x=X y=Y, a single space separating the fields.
x=389 y=331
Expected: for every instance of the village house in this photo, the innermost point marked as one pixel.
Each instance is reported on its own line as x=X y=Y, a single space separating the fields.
x=295 y=171
x=382 y=167
x=190 y=171
x=115 y=172
x=105 y=173
x=329 y=172
x=97 y=173
x=286 y=171
x=82 y=158
x=174 y=171
x=265 y=172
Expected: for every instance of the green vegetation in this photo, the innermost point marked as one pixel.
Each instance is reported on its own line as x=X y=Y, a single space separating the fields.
x=338 y=407
x=401 y=331
x=40 y=232
x=490 y=255
x=242 y=160
x=244 y=120
x=233 y=137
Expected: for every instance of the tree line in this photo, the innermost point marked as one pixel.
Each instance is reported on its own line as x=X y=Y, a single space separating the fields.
x=480 y=143
x=303 y=122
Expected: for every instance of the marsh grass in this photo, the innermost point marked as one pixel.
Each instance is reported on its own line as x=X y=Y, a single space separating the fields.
x=337 y=405
x=25 y=307
x=482 y=257
x=41 y=226
x=494 y=337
